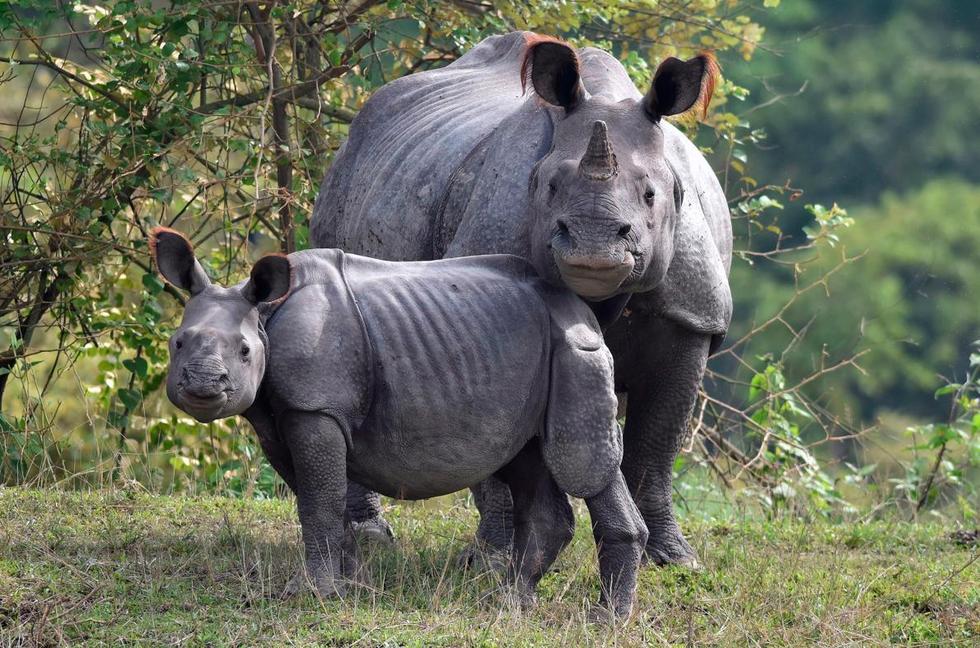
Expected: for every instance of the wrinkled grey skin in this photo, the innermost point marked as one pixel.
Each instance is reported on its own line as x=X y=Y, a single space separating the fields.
x=581 y=176
x=415 y=380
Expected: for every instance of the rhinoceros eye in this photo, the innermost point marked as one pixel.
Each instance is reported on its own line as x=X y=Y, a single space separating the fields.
x=245 y=351
x=648 y=196
x=178 y=344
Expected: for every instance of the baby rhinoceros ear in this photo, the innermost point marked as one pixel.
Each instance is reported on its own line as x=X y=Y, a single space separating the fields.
x=175 y=259
x=270 y=279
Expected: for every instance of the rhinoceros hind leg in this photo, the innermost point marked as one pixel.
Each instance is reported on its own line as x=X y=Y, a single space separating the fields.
x=366 y=517
x=491 y=549
x=543 y=520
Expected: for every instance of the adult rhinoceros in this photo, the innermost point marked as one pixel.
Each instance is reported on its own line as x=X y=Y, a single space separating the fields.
x=584 y=178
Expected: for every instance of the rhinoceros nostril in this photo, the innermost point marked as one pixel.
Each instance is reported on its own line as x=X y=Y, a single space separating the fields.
x=624 y=230
x=562 y=226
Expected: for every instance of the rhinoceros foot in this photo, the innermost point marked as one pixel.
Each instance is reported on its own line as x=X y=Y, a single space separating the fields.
x=375 y=531
x=319 y=581
x=668 y=546
x=482 y=557
x=324 y=584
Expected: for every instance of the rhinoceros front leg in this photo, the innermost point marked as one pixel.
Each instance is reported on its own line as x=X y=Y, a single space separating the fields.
x=542 y=518
x=319 y=453
x=620 y=535
x=665 y=368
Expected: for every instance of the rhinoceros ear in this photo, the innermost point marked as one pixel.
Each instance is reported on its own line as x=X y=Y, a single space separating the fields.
x=679 y=85
x=270 y=279
x=553 y=69
x=175 y=259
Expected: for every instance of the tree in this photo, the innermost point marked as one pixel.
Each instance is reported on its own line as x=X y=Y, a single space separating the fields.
x=911 y=301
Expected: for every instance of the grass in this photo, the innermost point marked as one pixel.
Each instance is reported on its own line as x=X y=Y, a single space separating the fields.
x=127 y=568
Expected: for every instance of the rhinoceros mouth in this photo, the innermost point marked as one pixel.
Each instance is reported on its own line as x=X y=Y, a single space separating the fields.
x=203 y=408
x=595 y=279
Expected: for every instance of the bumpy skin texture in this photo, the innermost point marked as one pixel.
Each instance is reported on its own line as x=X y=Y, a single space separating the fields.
x=450 y=162
x=360 y=351
x=668 y=369
x=582 y=444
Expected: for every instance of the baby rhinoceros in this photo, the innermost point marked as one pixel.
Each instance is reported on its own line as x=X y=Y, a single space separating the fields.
x=416 y=380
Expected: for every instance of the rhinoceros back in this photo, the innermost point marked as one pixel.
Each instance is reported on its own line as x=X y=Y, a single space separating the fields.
x=460 y=364
x=382 y=192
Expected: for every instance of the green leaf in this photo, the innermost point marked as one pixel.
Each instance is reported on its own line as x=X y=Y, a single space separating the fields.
x=137 y=366
x=130 y=398
x=152 y=283
x=947 y=389
x=758 y=386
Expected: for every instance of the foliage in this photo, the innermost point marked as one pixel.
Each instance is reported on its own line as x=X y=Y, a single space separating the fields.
x=948 y=449
x=910 y=302
x=123 y=567
x=870 y=103
x=864 y=97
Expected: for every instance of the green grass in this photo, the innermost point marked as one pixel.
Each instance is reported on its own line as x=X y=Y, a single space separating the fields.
x=129 y=568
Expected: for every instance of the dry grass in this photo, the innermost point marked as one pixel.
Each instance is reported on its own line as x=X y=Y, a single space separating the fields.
x=115 y=568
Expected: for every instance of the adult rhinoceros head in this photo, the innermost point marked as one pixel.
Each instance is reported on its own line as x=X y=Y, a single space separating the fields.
x=605 y=200
x=217 y=355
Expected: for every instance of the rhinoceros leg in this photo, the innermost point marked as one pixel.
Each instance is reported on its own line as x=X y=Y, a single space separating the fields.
x=661 y=365
x=364 y=512
x=275 y=449
x=494 y=536
x=543 y=519
x=620 y=535
x=319 y=452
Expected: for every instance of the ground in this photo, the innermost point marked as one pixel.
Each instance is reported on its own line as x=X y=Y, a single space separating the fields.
x=125 y=568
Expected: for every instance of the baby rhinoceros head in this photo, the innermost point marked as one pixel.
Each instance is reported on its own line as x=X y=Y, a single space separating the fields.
x=218 y=354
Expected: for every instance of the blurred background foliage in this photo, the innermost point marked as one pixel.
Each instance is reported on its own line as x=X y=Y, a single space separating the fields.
x=845 y=135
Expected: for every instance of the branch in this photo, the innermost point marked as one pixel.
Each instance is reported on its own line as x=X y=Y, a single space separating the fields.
x=51 y=65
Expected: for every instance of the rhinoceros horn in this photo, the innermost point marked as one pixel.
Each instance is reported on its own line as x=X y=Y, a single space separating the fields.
x=599 y=161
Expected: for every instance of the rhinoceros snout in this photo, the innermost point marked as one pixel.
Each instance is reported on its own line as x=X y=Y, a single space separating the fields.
x=204 y=379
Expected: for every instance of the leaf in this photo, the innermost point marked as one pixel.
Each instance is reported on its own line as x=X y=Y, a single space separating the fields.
x=130 y=398
x=947 y=389
x=137 y=366
x=152 y=283
x=758 y=386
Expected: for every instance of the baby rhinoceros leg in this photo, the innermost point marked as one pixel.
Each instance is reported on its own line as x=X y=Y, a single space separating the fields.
x=583 y=449
x=543 y=520
x=620 y=534
x=319 y=451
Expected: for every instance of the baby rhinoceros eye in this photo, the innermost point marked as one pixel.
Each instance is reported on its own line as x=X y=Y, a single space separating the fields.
x=648 y=196
x=245 y=351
